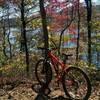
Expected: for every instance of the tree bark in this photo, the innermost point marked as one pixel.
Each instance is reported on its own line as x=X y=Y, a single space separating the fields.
x=23 y=34
x=44 y=25
x=89 y=14
x=4 y=35
x=3 y=44
x=98 y=58
x=10 y=47
x=89 y=10
x=78 y=36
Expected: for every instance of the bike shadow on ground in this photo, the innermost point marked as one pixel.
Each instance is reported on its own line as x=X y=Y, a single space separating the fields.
x=44 y=96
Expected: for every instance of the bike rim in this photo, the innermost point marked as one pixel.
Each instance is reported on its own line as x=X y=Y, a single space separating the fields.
x=76 y=84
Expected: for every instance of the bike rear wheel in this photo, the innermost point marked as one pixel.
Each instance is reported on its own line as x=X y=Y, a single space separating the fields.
x=76 y=84
x=43 y=72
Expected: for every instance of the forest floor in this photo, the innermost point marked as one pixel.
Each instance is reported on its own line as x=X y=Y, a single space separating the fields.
x=26 y=90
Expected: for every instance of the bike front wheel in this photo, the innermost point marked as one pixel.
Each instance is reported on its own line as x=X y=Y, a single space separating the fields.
x=76 y=84
x=43 y=72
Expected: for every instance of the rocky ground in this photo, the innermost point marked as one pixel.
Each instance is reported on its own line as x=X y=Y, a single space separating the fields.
x=28 y=90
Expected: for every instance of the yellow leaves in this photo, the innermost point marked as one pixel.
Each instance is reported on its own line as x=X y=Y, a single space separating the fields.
x=36 y=22
x=98 y=34
x=57 y=37
x=5 y=68
x=66 y=38
x=95 y=25
x=13 y=66
x=17 y=65
x=29 y=1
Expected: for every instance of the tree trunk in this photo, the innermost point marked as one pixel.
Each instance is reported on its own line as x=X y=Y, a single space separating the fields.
x=78 y=36
x=89 y=14
x=4 y=36
x=23 y=34
x=44 y=25
x=10 y=47
x=89 y=33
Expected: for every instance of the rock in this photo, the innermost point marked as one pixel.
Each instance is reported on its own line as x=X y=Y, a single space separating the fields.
x=60 y=98
x=10 y=97
x=57 y=93
x=23 y=93
x=2 y=92
x=8 y=87
x=4 y=97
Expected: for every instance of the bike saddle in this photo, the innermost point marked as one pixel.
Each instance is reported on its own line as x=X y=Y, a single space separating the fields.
x=67 y=55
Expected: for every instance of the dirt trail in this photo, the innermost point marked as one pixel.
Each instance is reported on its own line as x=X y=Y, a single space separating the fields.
x=24 y=91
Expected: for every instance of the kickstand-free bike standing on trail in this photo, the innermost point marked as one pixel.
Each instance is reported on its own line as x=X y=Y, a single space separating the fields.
x=75 y=82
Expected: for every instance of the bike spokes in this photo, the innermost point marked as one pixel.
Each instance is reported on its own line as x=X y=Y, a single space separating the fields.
x=76 y=84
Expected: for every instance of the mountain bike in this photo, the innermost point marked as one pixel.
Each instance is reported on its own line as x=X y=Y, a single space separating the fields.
x=75 y=82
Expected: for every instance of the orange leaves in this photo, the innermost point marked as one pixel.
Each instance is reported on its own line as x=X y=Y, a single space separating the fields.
x=72 y=29
x=2 y=2
x=15 y=1
x=60 y=17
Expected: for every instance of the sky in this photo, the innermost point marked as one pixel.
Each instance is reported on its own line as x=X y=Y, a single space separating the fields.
x=96 y=1
x=92 y=0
